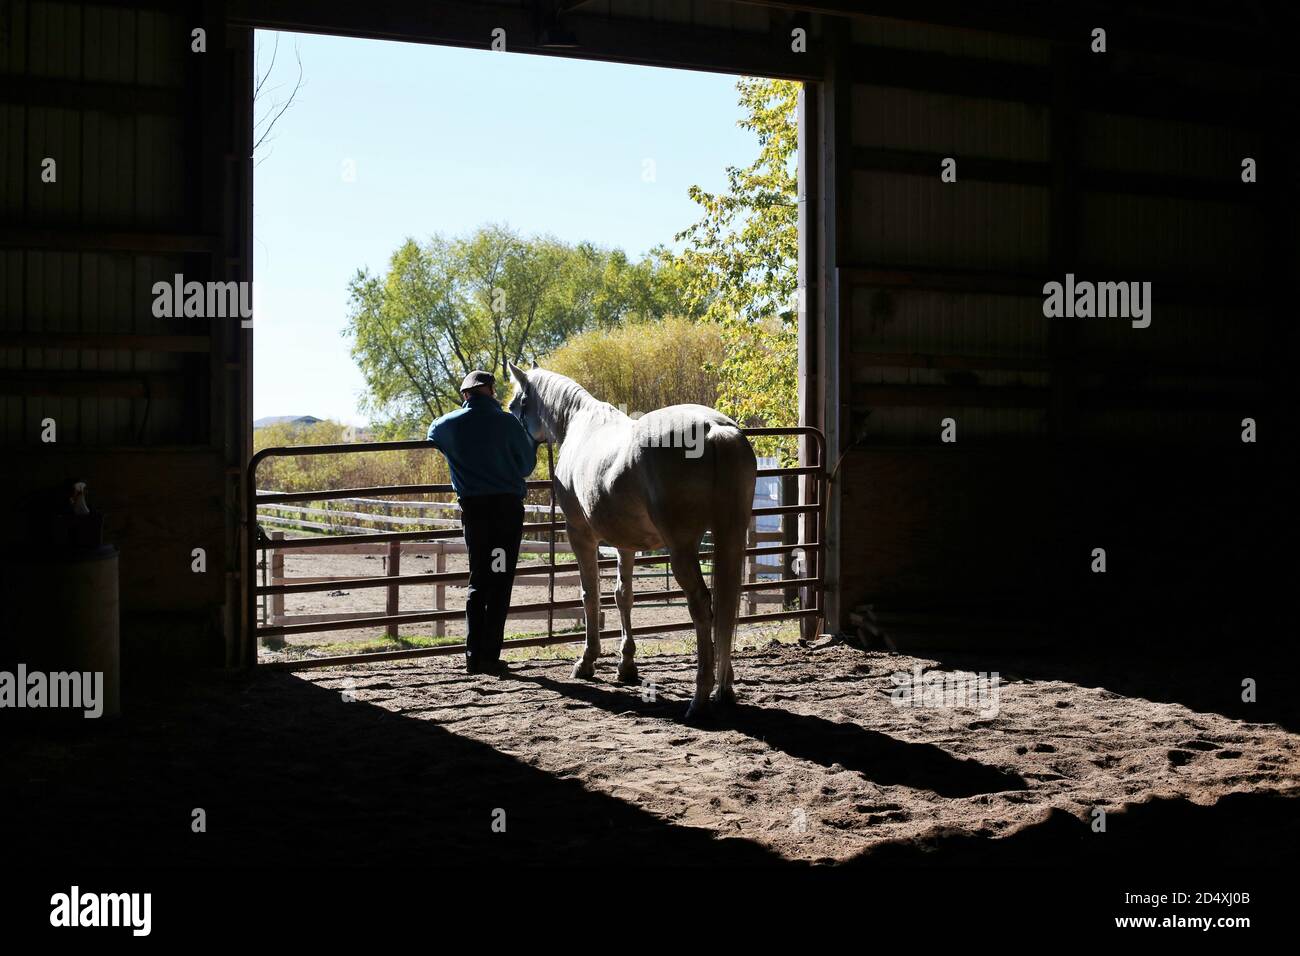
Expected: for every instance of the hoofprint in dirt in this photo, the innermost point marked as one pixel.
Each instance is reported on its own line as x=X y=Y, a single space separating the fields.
x=820 y=761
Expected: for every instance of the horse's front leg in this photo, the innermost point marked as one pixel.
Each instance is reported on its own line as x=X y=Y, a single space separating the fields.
x=627 y=664
x=586 y=553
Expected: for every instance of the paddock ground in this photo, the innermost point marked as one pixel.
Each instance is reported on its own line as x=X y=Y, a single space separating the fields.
x=528 y=589
x=816 y=765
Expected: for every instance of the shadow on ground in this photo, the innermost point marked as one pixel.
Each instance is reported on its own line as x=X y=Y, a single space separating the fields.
x=288 y=773
x=1207 y=680
x=1242 y=829
x=879 y=757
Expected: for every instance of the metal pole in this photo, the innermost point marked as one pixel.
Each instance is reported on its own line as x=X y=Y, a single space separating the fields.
x=550 y=583
x=440 y=592
x=394 y=591
x=277 y=571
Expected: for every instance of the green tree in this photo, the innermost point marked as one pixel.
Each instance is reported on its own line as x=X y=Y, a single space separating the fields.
x=478 y=301
x=739 y=266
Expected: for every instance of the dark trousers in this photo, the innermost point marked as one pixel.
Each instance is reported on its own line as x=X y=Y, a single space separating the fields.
x=493 y=525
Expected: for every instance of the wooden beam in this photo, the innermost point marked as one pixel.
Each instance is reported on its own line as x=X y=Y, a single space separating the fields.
x=168 y=452
x=1031 y=173
x=105 y=341
x=835 y=178
x=105 y=240
x=62 y=384
x=811 y=329
x=950 y=75
x=920 y=163
x=943 y=280
x=1141 y=365
x=1009 y=363
x=949 y=396
x=1176 y=289
x=121 y=98
x=599 y=37
x=1092 y=399
x=1210 y=29
x=1101 y=87
x=1233 y=400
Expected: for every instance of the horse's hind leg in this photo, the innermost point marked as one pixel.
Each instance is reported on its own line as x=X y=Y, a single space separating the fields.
x=728 y=568
x=686 y=569
x=627 y=664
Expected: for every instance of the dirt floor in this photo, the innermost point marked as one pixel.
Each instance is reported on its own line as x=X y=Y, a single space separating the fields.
x=411 y=762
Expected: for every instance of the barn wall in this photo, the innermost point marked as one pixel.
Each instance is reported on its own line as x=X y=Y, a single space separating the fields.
x=142 y=407
x=1072 y=434
x=923 y=298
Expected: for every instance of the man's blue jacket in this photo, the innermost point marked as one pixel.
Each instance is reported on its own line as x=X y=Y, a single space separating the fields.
x=487 y=448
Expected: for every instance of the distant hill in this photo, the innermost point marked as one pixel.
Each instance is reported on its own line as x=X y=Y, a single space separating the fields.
x=280 y=419
x=350 y=433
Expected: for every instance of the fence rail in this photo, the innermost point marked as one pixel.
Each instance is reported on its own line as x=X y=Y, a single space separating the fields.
x=355 y=539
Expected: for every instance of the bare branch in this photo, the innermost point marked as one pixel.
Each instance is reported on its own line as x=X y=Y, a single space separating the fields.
x=276 y=110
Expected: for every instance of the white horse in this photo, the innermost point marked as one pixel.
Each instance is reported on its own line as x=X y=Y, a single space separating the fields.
x=658 y=481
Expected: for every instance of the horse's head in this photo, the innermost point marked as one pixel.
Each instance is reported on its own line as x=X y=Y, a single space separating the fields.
x=525 y=405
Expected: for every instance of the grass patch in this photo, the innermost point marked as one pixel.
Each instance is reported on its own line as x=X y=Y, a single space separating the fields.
x=403 y=642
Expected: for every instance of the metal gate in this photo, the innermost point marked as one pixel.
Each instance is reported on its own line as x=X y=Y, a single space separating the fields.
x=810 y=543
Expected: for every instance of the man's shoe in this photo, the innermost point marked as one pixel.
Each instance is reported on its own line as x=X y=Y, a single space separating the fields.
x=496 y=668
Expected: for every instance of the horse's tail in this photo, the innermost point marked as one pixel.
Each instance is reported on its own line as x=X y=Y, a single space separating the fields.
x=733 y=501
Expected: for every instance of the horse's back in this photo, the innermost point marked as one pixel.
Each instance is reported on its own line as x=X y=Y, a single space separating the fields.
x=692 y=434
x=695 y=461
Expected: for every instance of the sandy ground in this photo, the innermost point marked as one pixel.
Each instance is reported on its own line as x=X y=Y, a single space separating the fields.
x=410 y=762
x=820 y=763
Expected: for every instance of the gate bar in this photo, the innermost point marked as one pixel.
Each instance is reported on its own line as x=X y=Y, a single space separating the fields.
x=422 y=617
x=449 y=577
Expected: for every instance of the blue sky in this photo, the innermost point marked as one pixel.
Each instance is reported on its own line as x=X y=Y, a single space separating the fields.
x=444 y=140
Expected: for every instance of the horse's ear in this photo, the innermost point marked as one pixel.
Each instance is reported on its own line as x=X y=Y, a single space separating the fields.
x=518 y=374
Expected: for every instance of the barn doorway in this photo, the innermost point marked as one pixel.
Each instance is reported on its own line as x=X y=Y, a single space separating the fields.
x=399 y=141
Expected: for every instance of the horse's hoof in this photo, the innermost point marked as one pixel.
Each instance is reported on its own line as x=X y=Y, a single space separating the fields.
x=584 y=669
x=699 y=711
x=627 y=674
x=724 y=697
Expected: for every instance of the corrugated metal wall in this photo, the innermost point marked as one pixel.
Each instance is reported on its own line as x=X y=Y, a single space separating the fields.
x=1116 y=166
x=115 y=96
x=119 y=169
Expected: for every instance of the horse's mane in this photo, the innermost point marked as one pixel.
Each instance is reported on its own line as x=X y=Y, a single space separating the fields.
x=561 y=398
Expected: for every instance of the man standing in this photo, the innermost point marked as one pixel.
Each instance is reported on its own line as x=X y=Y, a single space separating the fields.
x=490 y=455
